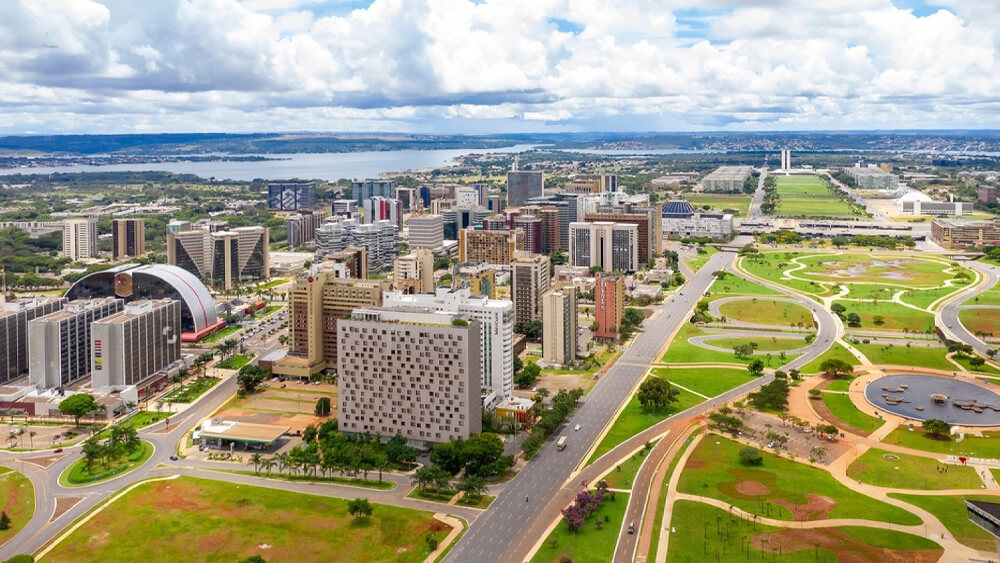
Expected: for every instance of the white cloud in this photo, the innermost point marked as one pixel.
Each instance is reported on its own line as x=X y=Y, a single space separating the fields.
x=435 y=65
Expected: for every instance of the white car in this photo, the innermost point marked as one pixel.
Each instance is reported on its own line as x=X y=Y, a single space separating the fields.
x=576 y=428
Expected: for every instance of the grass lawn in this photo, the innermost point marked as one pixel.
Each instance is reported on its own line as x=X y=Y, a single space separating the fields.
x=17 y=499
x=980 y=321
x=633 y=420
x=697 y=539
x=809 y=196
x=189 y=519
x=835 y=352
x=764 y=343
x=700 y=259
x=732 y=285
x=950 y=510
x=349 y=481
x=925 y=297
x=990 y=297
x=484 y=501
x=432 y=495
x=623 y=475
x=741 y=203
x=895 y=317
x=268 y=310
x=191 y=390
x=973 y=446
x=681 y=351
x=906 y=271
x=221 y=334
x=139 y=420
x=910 y=472
x=840 y=406
x=963 y=361
x=76 y=475
x=840 y=384
x=770 y=265
x=707 y=381
x=714 y=470
x=588 y=545
x=661 y=501
x=767 y=312
x=234 y=362
x=918 y=356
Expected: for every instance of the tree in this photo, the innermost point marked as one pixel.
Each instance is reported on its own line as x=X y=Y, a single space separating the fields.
x=742 y=350
x=656 y=393
x=840 y=241
x=78 y=406
x=835 y=368
x=937 y=428
x=531 y=329
x=558 y=257
x=432 y=541
x=751 y=456
x=256 y=460
x=250 y=378
x=4 y=521
x=323 y=406
x=756 y=368
x=359 y=508
x=21 y=558
x=473 y=487
x=976 y=362
x=838 y=309
x=254 y=559
x=528 y=375
x=853 y=320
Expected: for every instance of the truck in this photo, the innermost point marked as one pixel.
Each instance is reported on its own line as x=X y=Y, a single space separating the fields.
x=561 y=444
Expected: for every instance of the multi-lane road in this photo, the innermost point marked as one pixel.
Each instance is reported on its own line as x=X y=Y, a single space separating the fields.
x=948 y=316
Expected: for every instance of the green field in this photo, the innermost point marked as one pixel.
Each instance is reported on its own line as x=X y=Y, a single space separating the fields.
x=840 y=384
x=764 y=343
x=703 y=531
x=835 y=352
x=925 y=297
x=894 y=317
x=987 y=446
x=714 y=470
x=770 y=265
x=917 y=356
x=767 y=312
x=220 y=335
x=910 y=472
x=191 y=390
x=809 y=196
x=719 y=202
x=17 y=499
x=950 y=510
x=889 y=270
x=683 y=352
x=77 y=475
x=589 y=544
x=840 y=406
x=981 y=321
x=189 y=519
x=732 y=285
x=990 y=297
x=707 y=381
x=700 y=259
x=234 y=362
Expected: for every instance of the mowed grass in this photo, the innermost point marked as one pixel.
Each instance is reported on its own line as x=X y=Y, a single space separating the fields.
x=731 y=285
x=623 y=475
x=910 y=472
x=767 y=312
x=841 y=406
x=189 y=519
x=701 y=532
x=924 y=298
x=770 y=265
x=741 y=203
x=835 y=352
x=714 y=470
x=894 y=317
x=634 y=419
x=77 y=475
x=764 y=343
x=683 y=351
x=589 y=544
x=917 y=356
x=950 y=510
x=904 y=271
x=987 y=446
x=981 y=321
x=17 y=499
x=700 y=259
x=234 y=362
x=707 y=381
x=808 y=196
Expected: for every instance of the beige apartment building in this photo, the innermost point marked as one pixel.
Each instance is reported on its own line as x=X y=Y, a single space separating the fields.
x=415 y=271
x=529 y=279
x=559 y=322
x=490 y=247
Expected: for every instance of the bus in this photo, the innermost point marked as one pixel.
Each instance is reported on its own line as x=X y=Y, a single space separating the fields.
x=561 y=444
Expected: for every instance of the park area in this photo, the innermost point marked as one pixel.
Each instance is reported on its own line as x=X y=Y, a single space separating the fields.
x=809 y=196
x=719 y=203
x=593 y=542
x=293 y=406
x=770 y=312
x=189 y=519
x=903 y=272
x=17 y=500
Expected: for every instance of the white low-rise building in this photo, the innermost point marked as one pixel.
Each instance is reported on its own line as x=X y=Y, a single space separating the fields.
x=680 y=220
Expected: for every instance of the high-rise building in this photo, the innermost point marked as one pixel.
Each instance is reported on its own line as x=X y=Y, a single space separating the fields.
x=529 y=279
x=225 y=258
x=612 y=246
x=134 y=347
x=467 y=196
x=415 y=271
x=522 y=186
x=987 y=194
x=532 y=229
x=380 y=208
x=495 y=203
x=291 y=195
x=426 y=231
x=458 y=218
x=786 y=159
x=592 y=183
x=414 y=374
x=379 y=239
x=176 y=226
x=647 y=222
x=128 y=238
x=408 y=199
x=365 y=189
x=479 y=279
x=344 y=208
x=559 y=322
x=79 y=238
x=491 y=247
x=59 y=343
x=496 y=319
x=495 y=223
x=872 y=178
x=609 y=304
x=317 y=301
x=301 y=227
x=14 y=319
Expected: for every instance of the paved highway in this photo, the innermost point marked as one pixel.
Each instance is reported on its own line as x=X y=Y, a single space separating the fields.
x=758 y=198
x=947 y=317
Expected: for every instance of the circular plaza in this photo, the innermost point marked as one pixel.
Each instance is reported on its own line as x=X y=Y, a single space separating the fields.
x=924 y=397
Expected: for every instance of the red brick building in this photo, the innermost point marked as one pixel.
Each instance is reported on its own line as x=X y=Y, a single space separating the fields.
x=609 y=305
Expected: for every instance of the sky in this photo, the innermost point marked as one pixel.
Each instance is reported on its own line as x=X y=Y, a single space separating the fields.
x=486 y=66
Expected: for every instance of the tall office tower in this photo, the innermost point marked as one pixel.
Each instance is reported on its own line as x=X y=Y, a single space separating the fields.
x=532 y=228
x=647 y=221
x=492 y=247
x=592 y=183
x=352 y=262
x=609 y=305
x=135 y=346
x=365 y=189
x=550 y=229
x=225 y=258
x=479 y=279
x=529 y=279
x=291 y=195
x=128 y=238
x=415 y=271
x=612 y=246
x=414 y=374
x=426 y=231
x=495 y=223
x=59 y=343
x=344 y=208
x=176 y=226
x=467 y=196
x=380 y=208
x=379 y=239
x=409 y=199
x=424 y=193
x=317 y=301
x=458 y=218
x=496 y=318
x=522 y=186
x=79 y=238
x=786 y=159
x=559 y=321
x=495 y=203
x=301 y=227
x=14 y=319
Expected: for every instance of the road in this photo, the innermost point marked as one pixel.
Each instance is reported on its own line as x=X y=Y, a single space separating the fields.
x=758 y=198
x=947 y=317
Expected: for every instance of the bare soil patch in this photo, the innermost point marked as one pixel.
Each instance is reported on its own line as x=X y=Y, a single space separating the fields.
x=752 y=488
x=817 y=507
x=846 y=548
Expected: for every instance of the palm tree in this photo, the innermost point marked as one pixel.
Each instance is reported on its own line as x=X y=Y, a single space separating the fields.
x=268 y=464
x=282 y=461
x=31 y=438
x=256 y=459
x=423 y=477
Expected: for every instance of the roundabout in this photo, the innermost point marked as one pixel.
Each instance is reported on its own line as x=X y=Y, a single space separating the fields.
x=924 y=397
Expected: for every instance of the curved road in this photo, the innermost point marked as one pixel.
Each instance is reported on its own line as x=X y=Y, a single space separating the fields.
x=947 y=316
